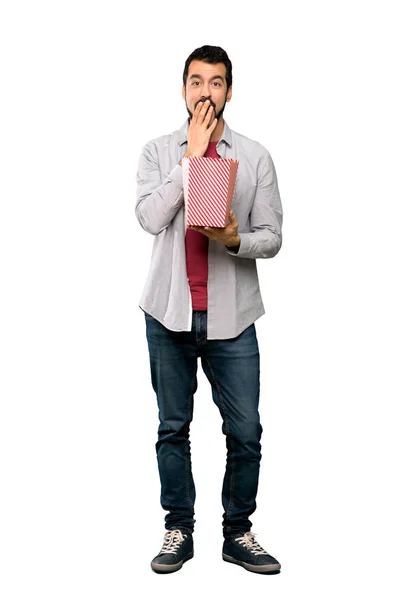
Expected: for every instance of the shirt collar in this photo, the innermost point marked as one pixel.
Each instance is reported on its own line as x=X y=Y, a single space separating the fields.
x=226 y=133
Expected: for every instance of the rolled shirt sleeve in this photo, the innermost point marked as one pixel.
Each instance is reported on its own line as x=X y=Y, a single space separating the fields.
x=264 y=239
x=157 y=201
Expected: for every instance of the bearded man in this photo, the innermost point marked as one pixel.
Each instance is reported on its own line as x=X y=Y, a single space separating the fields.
x=201 y=300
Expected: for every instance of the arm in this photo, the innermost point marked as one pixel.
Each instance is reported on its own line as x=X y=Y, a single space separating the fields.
x=265 y=237
x=157 y=201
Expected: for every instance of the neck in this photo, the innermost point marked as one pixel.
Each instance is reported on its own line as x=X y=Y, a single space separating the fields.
x=216 y=134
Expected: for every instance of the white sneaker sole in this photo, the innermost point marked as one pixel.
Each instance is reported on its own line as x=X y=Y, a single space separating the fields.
x=170 y=568
x=274 y=568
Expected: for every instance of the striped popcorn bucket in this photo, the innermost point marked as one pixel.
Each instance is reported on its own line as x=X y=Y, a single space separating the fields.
x=208 y=185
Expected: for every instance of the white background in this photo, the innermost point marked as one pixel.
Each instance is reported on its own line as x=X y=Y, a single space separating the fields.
x=84 y=86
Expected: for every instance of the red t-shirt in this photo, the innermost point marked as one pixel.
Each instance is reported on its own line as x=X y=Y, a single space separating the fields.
x=196 y=244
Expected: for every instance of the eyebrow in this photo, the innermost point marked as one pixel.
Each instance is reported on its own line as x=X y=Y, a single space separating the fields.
x=200 y=77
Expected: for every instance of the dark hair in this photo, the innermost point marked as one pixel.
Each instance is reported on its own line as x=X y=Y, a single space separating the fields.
x=211 y=55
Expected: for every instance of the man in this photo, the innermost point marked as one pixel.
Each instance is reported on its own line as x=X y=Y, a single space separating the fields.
x=201 y=300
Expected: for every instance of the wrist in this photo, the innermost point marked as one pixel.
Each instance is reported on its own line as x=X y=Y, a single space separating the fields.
x=189 y=153
x=234 y=245
x=235 y=242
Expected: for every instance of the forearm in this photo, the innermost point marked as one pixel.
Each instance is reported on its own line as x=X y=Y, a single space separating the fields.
x=262 y=237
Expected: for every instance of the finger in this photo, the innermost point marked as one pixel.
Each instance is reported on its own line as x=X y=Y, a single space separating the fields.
x=203 y=111
x=212 y=125
x=209 y=114
x=197 y=111
x=234 y=225
x=202 y=230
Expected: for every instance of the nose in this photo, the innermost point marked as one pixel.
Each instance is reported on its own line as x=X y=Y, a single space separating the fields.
x=206 y=89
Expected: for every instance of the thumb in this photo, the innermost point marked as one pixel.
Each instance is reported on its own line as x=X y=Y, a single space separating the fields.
x=232 y=217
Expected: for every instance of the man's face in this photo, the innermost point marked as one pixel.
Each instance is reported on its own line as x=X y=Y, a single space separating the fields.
x=205 y=81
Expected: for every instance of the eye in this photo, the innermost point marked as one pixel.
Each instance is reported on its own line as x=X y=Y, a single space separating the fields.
x=217 y=83
x=194 y=82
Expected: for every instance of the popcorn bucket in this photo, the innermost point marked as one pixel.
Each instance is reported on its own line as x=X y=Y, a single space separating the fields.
x=208 y=186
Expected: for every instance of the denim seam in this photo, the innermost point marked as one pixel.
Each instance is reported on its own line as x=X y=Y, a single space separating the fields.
x=232 y=477
x=197 y=325
x=187 y=456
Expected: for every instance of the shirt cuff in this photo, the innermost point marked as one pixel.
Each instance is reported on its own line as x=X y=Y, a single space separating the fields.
x=244 y=246
x=176 y=175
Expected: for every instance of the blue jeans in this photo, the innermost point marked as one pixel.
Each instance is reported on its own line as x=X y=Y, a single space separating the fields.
x=233 y=369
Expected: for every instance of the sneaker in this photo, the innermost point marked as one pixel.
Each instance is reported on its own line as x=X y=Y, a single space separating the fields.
x=177 y=549
x=243 y=550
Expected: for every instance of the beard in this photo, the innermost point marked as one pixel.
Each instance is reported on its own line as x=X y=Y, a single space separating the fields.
x=202 y=99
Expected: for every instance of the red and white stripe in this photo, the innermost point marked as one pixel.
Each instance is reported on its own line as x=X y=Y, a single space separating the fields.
x=207 y=190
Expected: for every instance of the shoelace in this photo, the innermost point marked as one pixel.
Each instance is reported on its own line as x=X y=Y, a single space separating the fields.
x=172 y=539
x=249 y=541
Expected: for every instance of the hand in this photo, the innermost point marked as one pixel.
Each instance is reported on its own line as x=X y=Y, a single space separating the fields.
x=200 y=129
x=226 y=235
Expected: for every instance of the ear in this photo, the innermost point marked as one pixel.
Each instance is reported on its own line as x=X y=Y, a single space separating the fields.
x=229 y=94
x=183 y=92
